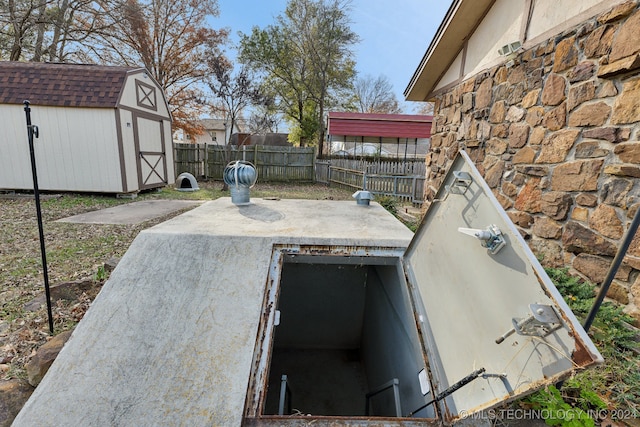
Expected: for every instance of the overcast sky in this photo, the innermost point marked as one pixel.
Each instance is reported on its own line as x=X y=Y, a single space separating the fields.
x=394 y=33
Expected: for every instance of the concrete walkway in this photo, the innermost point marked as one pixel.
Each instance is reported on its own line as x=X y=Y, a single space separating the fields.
x=132 y=213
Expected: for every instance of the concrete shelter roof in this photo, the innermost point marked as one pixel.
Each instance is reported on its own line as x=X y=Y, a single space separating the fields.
x=170 y=338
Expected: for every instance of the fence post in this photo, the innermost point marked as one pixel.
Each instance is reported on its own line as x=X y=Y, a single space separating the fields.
x=205 y=169
x=175 y=159
x=413 y=190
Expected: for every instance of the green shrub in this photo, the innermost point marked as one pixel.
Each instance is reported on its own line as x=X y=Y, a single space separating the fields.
x=613 y=385
x=559 y=412
x=389 y=203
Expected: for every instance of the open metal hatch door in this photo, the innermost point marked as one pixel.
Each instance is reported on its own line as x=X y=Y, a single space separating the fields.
x=484 y=302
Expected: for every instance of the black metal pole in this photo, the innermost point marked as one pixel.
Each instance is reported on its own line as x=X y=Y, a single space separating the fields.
x=33 y=131
x=631 y=232
x=463 y=382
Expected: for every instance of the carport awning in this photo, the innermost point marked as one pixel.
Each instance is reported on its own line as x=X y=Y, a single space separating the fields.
x=380 y=125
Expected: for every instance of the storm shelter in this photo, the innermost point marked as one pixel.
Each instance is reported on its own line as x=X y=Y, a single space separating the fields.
x=346 y=341
x=462 y=320
x=313 y=312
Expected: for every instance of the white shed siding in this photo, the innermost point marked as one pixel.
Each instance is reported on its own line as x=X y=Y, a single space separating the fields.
x=171 y=176
x=14 y=155
x=148 y=117
x=82 y=154
x=131 y=96
x=67 y=157
x=129 y=149
x=99 y=128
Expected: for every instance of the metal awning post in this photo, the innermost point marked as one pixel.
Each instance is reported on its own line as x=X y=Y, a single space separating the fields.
x=32 y=131
x=631 y=232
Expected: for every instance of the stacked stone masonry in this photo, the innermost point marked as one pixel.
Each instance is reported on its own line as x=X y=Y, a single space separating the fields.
x=555 y=132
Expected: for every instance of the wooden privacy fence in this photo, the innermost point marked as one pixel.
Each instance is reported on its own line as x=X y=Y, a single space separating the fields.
x=272 y=163
x=403 y=180
x=382 y=166
x=377 y=180
x=190 y=158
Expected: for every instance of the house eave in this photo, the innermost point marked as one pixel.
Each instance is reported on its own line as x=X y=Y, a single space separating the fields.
x=460 y=21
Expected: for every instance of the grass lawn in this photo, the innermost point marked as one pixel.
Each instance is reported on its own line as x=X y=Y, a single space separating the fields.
x=77 y=252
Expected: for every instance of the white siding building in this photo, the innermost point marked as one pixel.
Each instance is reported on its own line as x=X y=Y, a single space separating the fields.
x=101 y=129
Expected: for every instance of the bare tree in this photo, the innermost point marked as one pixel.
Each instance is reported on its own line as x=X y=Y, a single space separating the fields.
x=50 y=30
x=168 y=37
x=264 y=119
x=233 y=90
x=426 y=108
x=18 y=23
x=375 y=95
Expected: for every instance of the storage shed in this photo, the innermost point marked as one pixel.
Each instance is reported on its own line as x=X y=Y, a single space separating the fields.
x=102 y=129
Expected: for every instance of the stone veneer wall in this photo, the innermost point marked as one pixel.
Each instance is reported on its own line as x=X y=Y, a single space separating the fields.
x=555 y=132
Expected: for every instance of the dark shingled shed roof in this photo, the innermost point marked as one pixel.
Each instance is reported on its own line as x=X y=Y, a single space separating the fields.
x=61 y=85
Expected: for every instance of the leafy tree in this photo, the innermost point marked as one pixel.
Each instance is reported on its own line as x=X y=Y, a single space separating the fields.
x=375 y=95
x=50 y=30
x=168 y=37
x=307 y=59
x=171 y=39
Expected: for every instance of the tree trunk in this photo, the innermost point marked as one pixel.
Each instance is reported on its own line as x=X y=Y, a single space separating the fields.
x=16 y=47
x=37 y=55
x=321 y=125
x=57 y=29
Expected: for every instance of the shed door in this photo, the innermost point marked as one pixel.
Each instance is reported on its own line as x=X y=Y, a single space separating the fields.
x=150 y=143
x=472 y=290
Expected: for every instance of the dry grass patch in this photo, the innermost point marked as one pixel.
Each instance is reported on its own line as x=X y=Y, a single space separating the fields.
x=77 y=252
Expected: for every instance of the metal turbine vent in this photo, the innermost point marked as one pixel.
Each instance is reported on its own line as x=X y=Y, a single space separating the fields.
x=240 y=176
